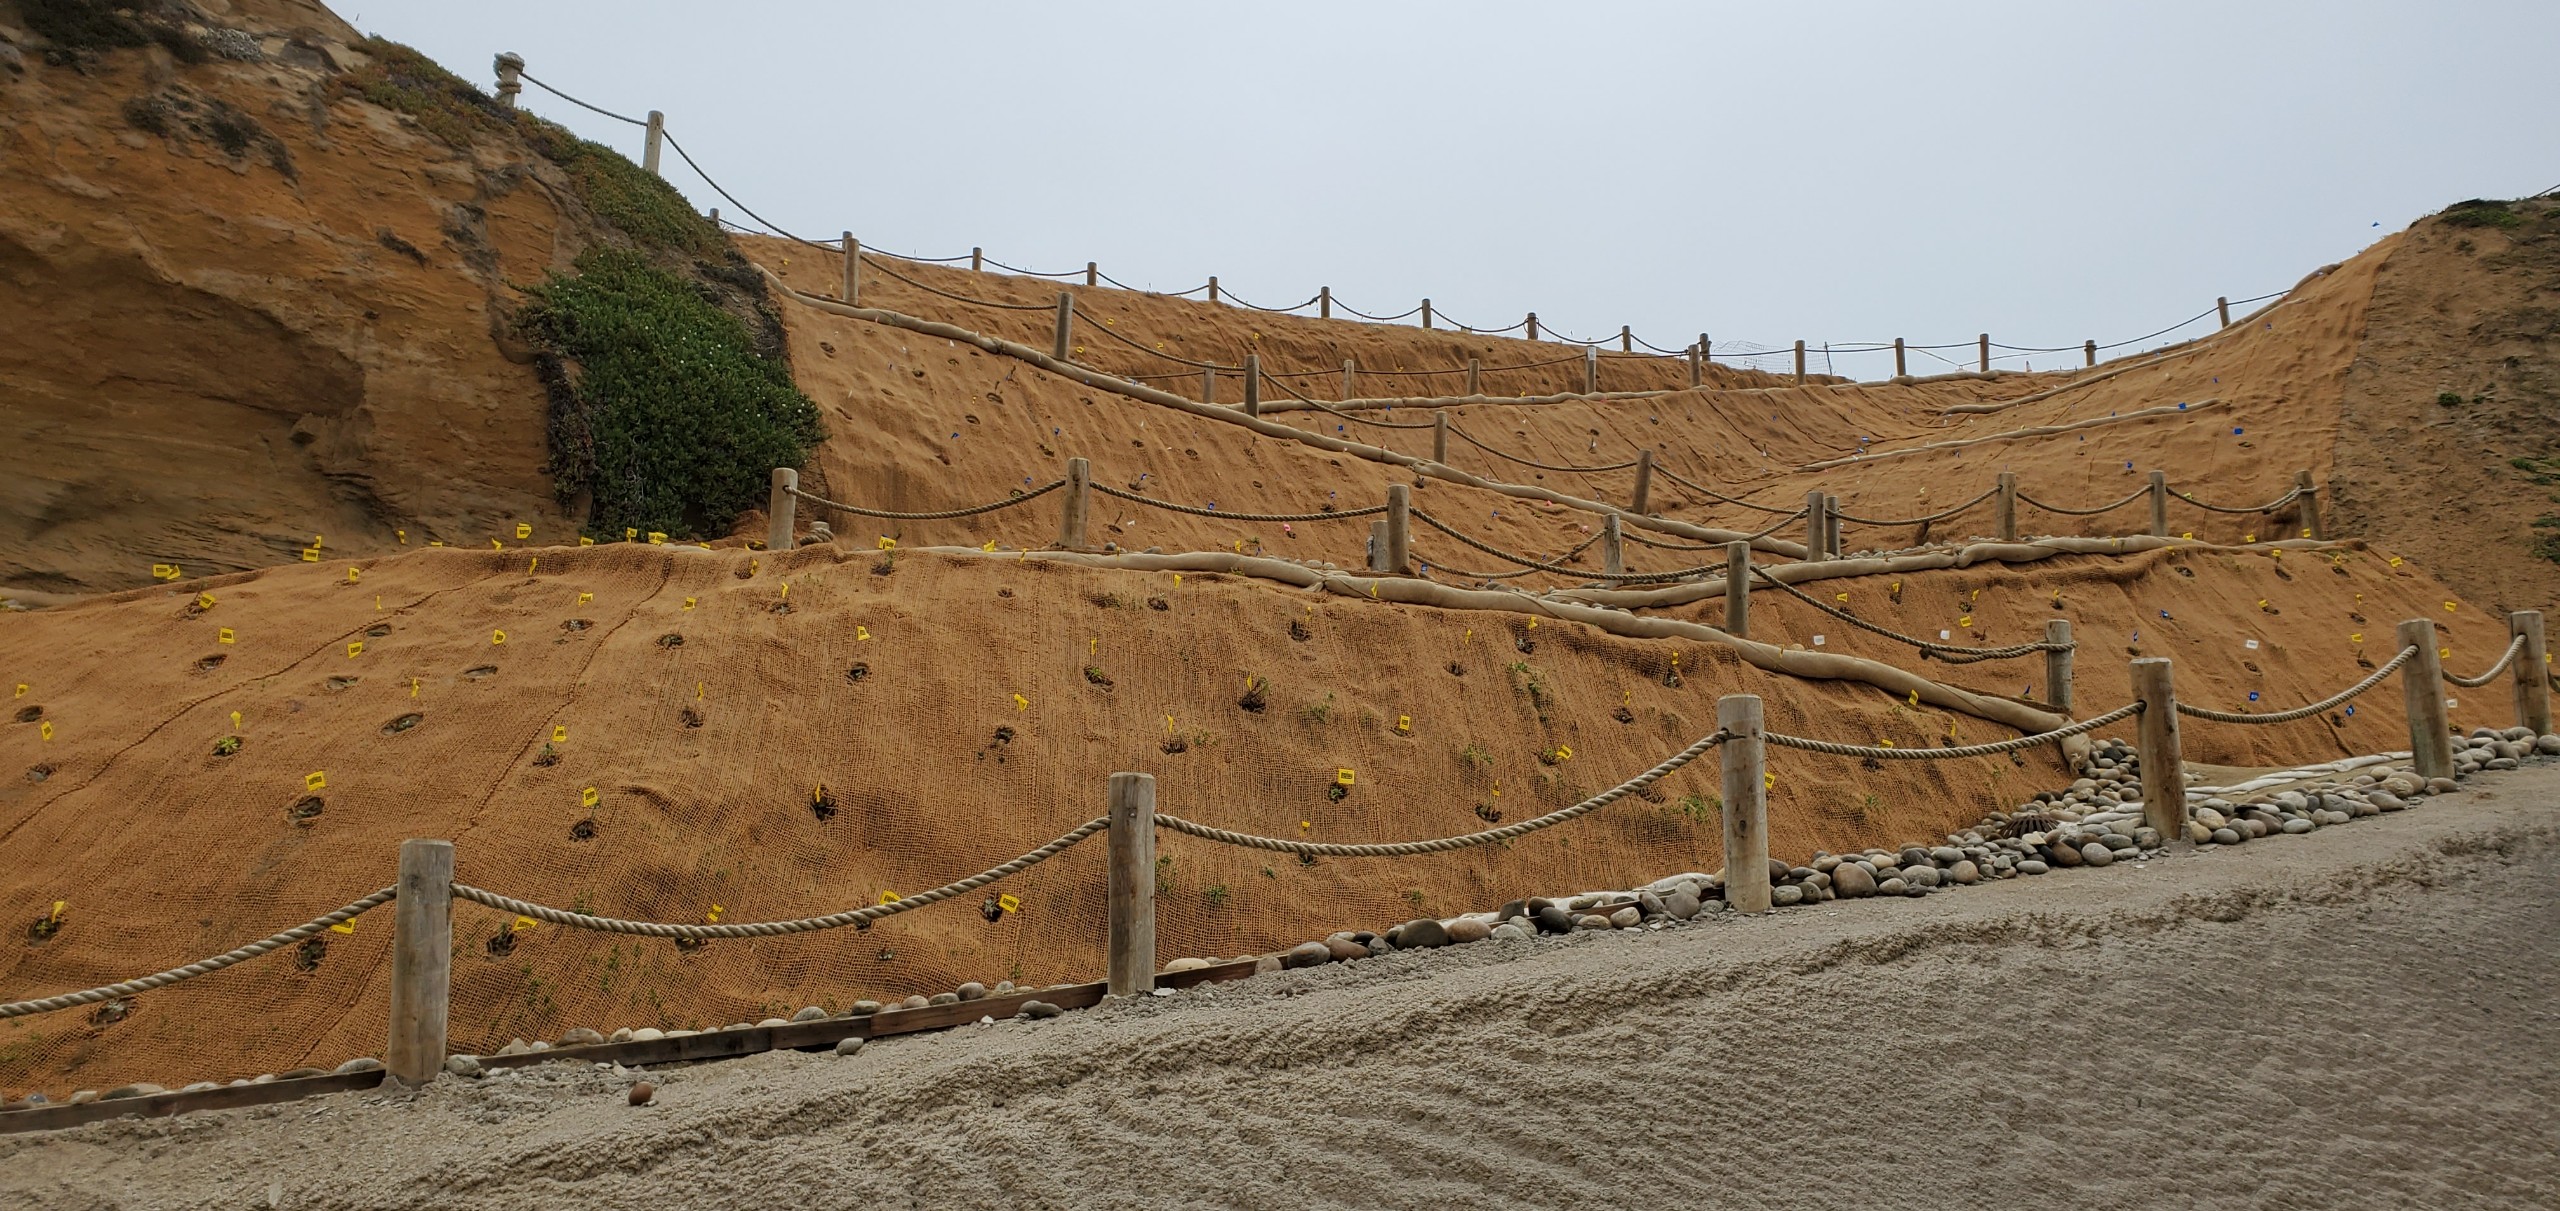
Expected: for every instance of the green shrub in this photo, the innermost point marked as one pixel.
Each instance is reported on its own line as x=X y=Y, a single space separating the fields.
x=82 y=25
x=675 y=423
x=2478 y=213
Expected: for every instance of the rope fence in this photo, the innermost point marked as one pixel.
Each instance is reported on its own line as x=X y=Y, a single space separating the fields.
x=943 y=515
x=1992 y=749
x=179 y=975
x=2304 y=712
x=1949 y=653
x=2515 y=647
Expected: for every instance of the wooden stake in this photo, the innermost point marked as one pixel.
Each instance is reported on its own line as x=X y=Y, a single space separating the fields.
x=2310 y=504
x=511 y=79
x=2532 y=672
x=1208 y=386
x=779 y=510
x=1347 y=379
x=1324 y=302
x=1071 y=517
x=1590 y=370
x=1696 y=367
x=1377 y=557
x=1475 y=377
x=1066 y=325
x=1706 y=350
x=1626 y=338
x=1092 y=274
x=1426 y=314
x=1816 y=526
x=2156 y=752
x=1900 y=370
x=2223 y=307
x=421 y=962
x=1132 y=940
x=2057 y=666
x=1737 y=589
x=1213 y=288
x=1831 y=524
x=2159 y=504
x=2005 y=507
x=1533 y=325
x=1746 y=804
x=649 y=152
x=852 y=290
x=1799 y=361
x=2422 y=689
x=1985 y=343
x=977 y=260
x=1613 y=553
x=1644 y=481
x=1400 y=527
x=1253 y=384
x=2089 y=354
x=1440 y=436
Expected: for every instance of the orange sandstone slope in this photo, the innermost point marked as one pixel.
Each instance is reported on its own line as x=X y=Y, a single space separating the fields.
x=711 y=707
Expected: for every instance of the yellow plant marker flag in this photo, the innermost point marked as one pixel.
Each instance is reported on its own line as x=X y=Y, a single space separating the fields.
x=522 y=924
x=204 y=601
x=585 y=541
x=584 y=598
x=23 y=687
x=310 y=554
x=990 y=547
x=345 y=927
x=786 y=590
x=887 y=896
x=45 y=729
x=1840 y=597
x=713 y=916
x=404 y=536
x=688 y=603
x=1404 y=723
x=2358 y=637
x=587 y=797
x=497 y=637
x=1564 y=752
x=2448 y=607
x=630 y=533
x=1769 y=781
x=1021 y=703
x=861 y=634
x=887 y=543
x=657 y=538
x=235 y=721
x=2248 y=538
x=222 y=636
x=1342 y=777
x=559 y=733
x=496 y=545
x=537 y=562
x=355 y=648
x=315 y=780
x=524 y=530
x=1533 y=624
x=1008 y=903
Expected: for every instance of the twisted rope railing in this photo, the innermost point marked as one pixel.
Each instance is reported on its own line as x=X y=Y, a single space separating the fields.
x=2269 y=507
x=1355 y=419
x=1940 y=515
x=957 y=298
x=1994 y=748
x=1132 y=342
x=2514 y=646
x=1526 y=562
x=1398 y=849
x=1463 y=574
x=943 y=515
x=2304 y=712
x=2138 y=493
x=1223 y=515
x=769 y=929
x=1712 y=494
x=1470 y=440
x=175 y=975
x=1945 y=652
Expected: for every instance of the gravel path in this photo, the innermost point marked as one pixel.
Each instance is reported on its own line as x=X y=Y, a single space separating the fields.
x=2362 y=1017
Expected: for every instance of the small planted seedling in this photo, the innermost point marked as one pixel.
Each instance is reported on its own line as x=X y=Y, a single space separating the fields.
x=549 y=756
x=822 y=805
x=1257 y=695
x=226 y=746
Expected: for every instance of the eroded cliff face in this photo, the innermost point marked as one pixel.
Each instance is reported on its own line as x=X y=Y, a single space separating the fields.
x=247 y=306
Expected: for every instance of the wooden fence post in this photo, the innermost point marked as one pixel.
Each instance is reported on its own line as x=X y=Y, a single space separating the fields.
x=1347 y=388
x=1737 y=589
x=1475 y=376
x=1426 y=315
x=1696 y=368
x=2089 y=353
x=1816 y=526
x=852 y=292
x=977 y=260
x=510 y=77
x=1440 y=436
x=1984 y=344
x=1900 y=369
x=1071 y=516
x=1253 y=384
x=1644 y=481
x=2223 y=306
x=1208 y=386
x=1831 y=524
x=2310 y=502
x=1613 y=551
x=1324 y=302
x=1066 y=325
x=2159 y=504
x=1377 y=557
x=780 y=510
x=1706 y=350
x=1092 y=275
x=1799 y=361
x=1533 y=325
x=1626 y=338
x=2057 y=665
x=2422 y=689
x=1400 y=527
x=1591 y=370
x=1746 y=804
x=421 y=961
x=2156 y=752
x=1133 y=885
x=1213 y=288
x=2005 y=507
x=649 y=152
x=2532 y=672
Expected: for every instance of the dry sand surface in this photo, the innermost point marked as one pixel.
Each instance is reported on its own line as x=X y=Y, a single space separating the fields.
x=2361 y=1018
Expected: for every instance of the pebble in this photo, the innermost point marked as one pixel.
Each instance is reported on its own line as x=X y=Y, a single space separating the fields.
x=2548 y=746
x=1963 y=871
x=975 y=991
x=2032 y=866
x=1468 y=929
x=2210 y=818
x=1307 y=954
x=641 y=1092
x=1037 y=1010
x=1921 y=876
x=463 y=1065
x=2096 y=854
x=849 y=1044
x=514 y=1047
x=1853 y=881
x=914 y=1002
x=1786 y=894
x=1680 y=906
x=1625 y=918
x=1946 y=855
x=2066 y=854
x=620 y=1036
x=1591 y=922
x=2226 y=836
x=1342 y=948
x=1892 y=887
x=1176 y=965
x=1421 y=933
x=1510 y=931
x=2298 y=827
x=864 y=1009
x=580 y=1037
x=1266 y=964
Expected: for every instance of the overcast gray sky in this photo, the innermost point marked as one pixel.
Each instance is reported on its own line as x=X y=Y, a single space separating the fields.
x=1837 y=172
